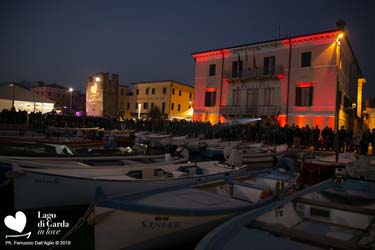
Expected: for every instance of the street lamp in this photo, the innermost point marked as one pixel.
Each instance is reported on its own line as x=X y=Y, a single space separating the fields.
x=13 y=93
x=337 y=107
x=71 y=96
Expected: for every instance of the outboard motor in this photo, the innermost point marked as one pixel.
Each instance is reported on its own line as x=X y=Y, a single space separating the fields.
x=340 y=174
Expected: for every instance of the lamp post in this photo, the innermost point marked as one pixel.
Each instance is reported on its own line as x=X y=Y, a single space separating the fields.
x=13 y=93
x=71 y=97
x=337 y=106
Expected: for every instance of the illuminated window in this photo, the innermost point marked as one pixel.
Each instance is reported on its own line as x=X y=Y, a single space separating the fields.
x=172 y=106
x=164 y=91
x=212 y=70
x=178 y=107
x=237 y=68
x=304 y=96
x=306 y=59
x=210 y=99
x=269 y=65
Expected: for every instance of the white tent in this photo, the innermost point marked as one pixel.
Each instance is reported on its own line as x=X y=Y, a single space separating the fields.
x=185 y=115
x=22 y=99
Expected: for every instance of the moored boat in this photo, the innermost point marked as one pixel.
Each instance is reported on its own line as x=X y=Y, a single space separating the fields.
x=55 y=186
x=169 y=216
x=334 y=214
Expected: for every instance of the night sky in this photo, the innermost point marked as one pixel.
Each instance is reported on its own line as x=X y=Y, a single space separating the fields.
x=66 y=41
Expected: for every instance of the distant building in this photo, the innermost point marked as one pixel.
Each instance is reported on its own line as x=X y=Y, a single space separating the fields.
x=171 y=97
x=102 y=95
x=293 y=80
x=124 y=99
x=64 y=99
x=23 y=99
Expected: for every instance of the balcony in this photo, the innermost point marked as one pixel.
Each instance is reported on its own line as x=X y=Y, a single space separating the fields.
x=259 y=74
x=256 y=110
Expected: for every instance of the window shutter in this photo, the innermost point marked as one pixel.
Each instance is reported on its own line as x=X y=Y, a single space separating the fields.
x=311 y=96
x=298 y=96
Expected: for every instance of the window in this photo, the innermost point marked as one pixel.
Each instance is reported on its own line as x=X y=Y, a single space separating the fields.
x=128 y=106
x=212 y=70
x=164 y=91
x=136 y=106
x=153 y=91
x=179 y=93
x=236 y=97
x=269 y=65
x=210 y=98
x=306 y=59
x=147 y=91
x=163 y=107
x=122 y=92
x=268 y=96
x=152 y=105
x=252 y=97
x=173 y=91
x=145 y=105
x=137 y=91
x=304 y=96
x=172 y=106
x=179 y=107
x=237 y=68
x=190 y=95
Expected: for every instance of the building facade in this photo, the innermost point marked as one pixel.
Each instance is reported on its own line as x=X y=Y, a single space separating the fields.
x=65 y=100
x=125 y=98
x=102 y=95
x=171 y=97
x=295 y=80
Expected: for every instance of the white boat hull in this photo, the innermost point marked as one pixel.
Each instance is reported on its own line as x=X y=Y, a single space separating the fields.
x=137 y=230
x=35 y=190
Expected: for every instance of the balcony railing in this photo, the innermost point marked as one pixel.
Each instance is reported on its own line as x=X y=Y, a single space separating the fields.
x=256 y=110
x=259 y=73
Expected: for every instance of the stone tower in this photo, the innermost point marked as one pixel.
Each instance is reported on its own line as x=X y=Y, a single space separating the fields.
x=102 y=95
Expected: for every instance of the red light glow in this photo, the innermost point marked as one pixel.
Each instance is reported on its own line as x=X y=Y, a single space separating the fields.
x=305 y=84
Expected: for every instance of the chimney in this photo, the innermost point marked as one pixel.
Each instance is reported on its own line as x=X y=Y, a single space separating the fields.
x=340 y=24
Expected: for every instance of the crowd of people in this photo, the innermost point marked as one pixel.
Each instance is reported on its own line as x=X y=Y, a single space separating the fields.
x=267 y=131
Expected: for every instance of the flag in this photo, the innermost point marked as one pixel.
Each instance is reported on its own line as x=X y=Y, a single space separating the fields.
x=246 y=67
x=254 y=62
x=239 y=65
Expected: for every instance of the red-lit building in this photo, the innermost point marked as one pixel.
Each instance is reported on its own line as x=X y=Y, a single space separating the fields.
x=294 y=80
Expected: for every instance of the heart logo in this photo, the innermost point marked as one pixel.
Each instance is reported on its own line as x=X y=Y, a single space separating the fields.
x=16 y=223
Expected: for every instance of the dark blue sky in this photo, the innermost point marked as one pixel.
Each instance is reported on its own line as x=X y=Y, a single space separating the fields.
x=66 y=41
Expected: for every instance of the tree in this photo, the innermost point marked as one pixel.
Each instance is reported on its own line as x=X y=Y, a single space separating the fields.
x=155 y=112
